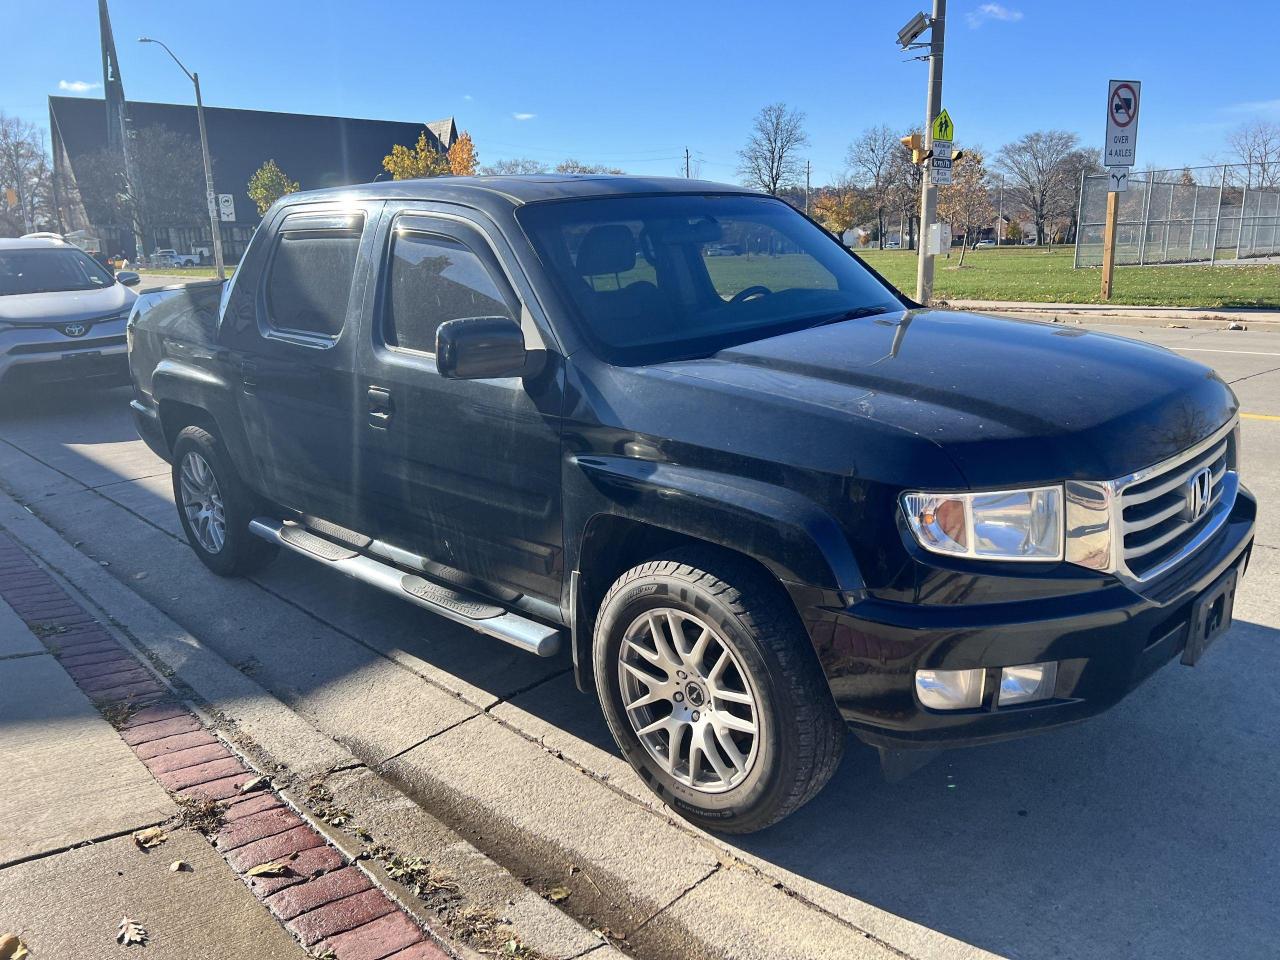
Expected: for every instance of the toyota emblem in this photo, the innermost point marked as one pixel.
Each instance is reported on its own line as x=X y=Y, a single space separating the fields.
x=75 y=329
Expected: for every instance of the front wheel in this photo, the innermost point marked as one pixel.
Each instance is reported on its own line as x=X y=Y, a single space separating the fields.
x=215 y=506
x=712 y=690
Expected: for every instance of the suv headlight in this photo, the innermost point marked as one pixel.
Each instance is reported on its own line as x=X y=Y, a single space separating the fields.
x=994 y=525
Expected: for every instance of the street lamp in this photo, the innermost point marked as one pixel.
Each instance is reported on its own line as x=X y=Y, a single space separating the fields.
x=210 y=197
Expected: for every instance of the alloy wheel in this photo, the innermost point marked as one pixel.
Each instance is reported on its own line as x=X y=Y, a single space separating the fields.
x=202 y=503
x=689 y=699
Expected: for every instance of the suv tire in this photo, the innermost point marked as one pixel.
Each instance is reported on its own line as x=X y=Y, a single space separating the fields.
x=215 y=506
x=708 y=645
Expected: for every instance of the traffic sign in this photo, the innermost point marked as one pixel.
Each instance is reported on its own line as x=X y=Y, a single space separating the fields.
x=943 y=128
x=1117 y=179
x=227 y=206
x=940 y=171
x=1123 y=97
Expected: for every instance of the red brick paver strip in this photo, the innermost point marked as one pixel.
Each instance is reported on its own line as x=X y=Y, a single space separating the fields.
x=426 y=950
x=340 y=916
x=292 y=901
x=376 y=940
x=250 y=829
x=178 y=743
x=327 y=903
x=182 y=759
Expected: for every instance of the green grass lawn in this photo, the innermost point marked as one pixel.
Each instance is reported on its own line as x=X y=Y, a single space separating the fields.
x=1031 y=273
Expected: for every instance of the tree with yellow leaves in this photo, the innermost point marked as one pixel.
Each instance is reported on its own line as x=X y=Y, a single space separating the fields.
x=966 y=202
x=463 y=159
x=268 y=184
x=422 y=161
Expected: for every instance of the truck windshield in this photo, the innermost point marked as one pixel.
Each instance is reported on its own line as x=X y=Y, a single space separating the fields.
x=50 y=269
x=671 y=276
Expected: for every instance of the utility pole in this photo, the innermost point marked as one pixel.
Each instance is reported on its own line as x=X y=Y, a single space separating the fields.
x=928 y=191
x=686 y=163
x=1000 y=215
x=807 y=170
x=210 y=197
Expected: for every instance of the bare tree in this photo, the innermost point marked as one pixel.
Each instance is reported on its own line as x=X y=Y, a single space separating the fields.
x=873 y=165
x=25 y=169
x=514 y=166
x=966 y=203
x=904 y=194
x=770 y=160
x=1039 y=170
x=1258 y=145
x=1081 y=163
x=577 y=166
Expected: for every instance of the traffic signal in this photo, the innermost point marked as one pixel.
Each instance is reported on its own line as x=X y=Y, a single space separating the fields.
x=915 y=143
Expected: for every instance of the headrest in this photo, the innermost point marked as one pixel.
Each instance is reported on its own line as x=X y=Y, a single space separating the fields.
x=607 y=248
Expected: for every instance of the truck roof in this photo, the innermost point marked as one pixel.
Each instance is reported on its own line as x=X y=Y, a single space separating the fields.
x=517 y=190
x=32 y=243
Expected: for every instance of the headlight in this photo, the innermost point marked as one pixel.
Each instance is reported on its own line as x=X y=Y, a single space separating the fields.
x=997 y=525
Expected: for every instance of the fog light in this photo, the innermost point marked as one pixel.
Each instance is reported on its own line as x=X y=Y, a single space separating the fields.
x=950 y=689
x=1031 y=681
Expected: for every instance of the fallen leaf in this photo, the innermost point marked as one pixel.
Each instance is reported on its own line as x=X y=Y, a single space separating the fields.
x=250 y=785
x=557 y=894
x=180 y=866
x=148 y=838
x=11 y=948
x=273 y=869
x=131 y=932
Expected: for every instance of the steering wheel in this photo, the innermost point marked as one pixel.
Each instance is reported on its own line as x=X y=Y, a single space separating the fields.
x=750 y=293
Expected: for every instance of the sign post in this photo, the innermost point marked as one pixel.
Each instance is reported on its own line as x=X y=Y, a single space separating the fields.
x=1119 y=154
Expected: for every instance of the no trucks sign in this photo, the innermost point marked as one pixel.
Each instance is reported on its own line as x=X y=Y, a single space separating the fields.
x=1123 y=97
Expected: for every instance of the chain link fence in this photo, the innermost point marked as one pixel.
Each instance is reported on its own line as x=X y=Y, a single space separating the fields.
x=1191 y=215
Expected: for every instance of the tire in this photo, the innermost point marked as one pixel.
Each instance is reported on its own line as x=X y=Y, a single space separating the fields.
x=799 y=735
x=235 y=552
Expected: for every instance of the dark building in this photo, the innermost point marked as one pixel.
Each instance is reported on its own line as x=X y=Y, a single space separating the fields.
x=316 y=151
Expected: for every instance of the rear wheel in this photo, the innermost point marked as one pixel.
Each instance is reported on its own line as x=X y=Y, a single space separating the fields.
x=711 y=688
x=215 y=506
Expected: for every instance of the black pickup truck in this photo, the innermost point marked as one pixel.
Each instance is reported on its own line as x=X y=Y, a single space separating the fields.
x=677 y=428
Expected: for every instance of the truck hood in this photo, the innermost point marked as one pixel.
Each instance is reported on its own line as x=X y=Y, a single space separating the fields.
x=1009 y=401
x=66 y=306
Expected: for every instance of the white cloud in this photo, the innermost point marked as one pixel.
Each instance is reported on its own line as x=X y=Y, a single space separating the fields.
x=992 y=11
x=77 y=86
x=467 y=96
x=523 y=116
x=1262 y=108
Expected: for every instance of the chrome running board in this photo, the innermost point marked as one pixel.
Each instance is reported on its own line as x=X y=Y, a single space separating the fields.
x=528 y=635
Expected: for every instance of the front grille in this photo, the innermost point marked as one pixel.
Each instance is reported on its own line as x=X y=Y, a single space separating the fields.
x=68 y=345
x=1156 y=524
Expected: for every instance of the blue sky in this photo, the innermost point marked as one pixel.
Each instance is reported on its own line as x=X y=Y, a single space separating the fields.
x=634 y=88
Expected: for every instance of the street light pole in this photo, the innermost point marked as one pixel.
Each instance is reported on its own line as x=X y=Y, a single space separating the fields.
x=211 y=198
x=929 y=191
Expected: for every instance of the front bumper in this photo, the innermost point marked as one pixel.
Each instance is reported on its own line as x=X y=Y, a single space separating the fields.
x=1106 y=642
x=46 y=355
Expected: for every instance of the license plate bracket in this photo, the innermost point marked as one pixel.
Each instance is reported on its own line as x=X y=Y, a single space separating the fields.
x=1210 y=616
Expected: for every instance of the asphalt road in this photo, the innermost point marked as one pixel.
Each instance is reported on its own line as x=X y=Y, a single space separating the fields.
x=1153 y=830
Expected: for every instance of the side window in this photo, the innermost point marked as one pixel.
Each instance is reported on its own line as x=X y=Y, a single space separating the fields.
x=432 y=279
x=310 y=276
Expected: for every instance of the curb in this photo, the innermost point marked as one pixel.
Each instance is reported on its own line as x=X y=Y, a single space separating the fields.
x=316 y=890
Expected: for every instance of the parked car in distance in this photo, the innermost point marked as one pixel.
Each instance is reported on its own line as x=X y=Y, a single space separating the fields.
x=62 y=315
x=984 y=244
x=172 y=258
x=892 y=245
x=759 y=501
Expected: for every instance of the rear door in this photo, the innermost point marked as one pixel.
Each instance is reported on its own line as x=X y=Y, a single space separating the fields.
x=296 y=352
x=464 y=472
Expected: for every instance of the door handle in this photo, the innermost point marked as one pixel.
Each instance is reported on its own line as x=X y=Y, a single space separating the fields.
x=380 y=407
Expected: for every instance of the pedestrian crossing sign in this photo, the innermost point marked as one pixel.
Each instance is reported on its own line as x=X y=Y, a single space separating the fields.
x=943 y=128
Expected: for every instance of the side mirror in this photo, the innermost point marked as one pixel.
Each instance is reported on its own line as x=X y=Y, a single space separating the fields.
x=477 y=348
x=128 y=278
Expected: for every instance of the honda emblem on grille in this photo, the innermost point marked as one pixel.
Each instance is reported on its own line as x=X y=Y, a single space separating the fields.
x=75 y=329
x=1199 y=489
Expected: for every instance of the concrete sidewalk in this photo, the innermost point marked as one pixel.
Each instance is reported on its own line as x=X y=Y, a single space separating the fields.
x=69 y=869
x=1216 y=317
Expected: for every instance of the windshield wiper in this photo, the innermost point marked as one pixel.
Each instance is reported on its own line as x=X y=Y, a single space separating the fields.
x=857 y=313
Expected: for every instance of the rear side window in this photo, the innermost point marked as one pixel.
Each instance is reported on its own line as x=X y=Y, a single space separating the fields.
x=432 y=279
x=310 y=276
